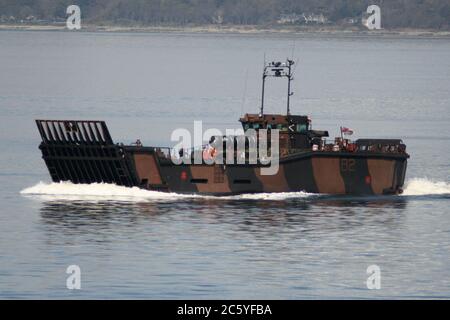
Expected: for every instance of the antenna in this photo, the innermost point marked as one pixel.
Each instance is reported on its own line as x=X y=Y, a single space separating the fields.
x=245 y=91
x=293 y=49
x=261 y=112
x=290 y=78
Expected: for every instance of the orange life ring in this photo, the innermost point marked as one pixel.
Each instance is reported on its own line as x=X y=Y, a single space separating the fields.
x=209 y=153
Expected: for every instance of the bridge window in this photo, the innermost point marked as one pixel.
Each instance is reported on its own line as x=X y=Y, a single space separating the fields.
x=302 y=128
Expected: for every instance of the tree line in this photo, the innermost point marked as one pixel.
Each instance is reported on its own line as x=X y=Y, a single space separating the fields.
x=433 y=14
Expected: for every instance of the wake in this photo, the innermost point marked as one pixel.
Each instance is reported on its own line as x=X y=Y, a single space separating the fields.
x=105 y=191
x=424 y=187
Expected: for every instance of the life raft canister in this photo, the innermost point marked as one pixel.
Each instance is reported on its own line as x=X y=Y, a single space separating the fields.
x=351 y=147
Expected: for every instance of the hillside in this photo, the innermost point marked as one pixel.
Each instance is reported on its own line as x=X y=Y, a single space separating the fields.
x=416 y=14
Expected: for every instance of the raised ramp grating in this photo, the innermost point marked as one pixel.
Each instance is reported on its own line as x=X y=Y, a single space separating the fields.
x=83 y=152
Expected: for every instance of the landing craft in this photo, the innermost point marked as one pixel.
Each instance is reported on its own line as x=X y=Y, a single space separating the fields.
x=83 y=151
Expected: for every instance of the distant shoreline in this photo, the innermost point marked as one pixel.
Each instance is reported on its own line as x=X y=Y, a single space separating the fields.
x=238 y=29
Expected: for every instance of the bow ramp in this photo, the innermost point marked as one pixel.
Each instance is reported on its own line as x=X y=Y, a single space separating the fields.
x=83 y=151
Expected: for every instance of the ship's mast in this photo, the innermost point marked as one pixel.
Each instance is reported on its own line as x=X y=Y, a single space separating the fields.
x=278 y=70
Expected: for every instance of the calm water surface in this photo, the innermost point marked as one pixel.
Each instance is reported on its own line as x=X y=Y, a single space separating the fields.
x=130 y=244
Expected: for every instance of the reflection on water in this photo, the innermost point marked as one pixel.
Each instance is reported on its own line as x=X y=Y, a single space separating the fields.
x=303 y=215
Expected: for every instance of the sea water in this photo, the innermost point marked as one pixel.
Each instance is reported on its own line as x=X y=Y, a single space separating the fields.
x=132 y=243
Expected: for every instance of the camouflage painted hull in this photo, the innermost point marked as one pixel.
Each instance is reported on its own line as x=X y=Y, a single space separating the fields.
x=88 y=155
x=351 y=174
